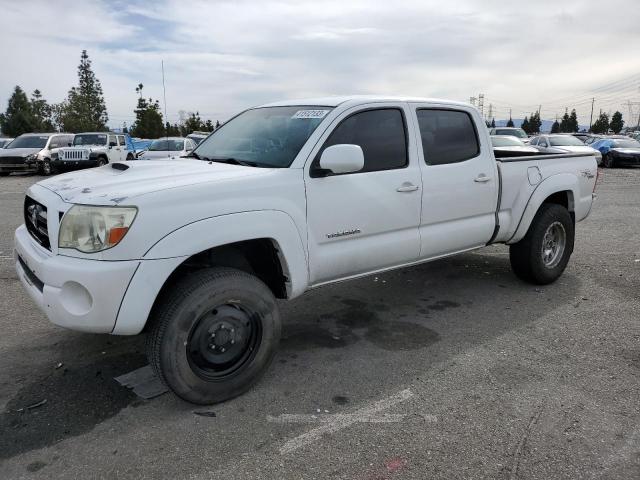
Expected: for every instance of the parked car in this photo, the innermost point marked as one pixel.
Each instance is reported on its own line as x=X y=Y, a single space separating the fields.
x=618 y=151
x=4 y=142
x=512 y=131
x=197 y=137
x=285 y=198
x=592 y=138
x=509 y=146
x=563 y=143
x=92 y=149
x=582 y=136
x=171 y=147
x=31 y=152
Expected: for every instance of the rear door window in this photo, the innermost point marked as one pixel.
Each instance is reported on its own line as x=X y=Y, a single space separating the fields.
x=448 y=136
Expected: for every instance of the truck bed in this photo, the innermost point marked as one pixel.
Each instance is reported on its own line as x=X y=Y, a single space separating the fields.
x=521 y=177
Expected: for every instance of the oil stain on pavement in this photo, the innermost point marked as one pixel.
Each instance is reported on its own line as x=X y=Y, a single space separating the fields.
x=65 y=403
x=355 y=321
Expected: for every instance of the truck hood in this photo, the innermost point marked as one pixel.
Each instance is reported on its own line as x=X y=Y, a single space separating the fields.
x=119 y=182
x=18 y=152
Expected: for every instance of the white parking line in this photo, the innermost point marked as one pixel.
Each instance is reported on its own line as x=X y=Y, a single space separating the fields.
x=335 y=423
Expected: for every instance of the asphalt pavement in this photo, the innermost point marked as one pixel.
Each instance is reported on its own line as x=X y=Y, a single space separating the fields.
x=452 y=369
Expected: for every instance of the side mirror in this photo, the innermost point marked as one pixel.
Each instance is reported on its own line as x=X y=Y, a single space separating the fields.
x=69 y=144
x=342 y=158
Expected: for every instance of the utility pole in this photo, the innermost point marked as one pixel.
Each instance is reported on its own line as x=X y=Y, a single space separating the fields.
x=481 y=104
x=591 y=119
x=472 y=101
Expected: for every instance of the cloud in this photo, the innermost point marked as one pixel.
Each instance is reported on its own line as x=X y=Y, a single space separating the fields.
x=224 y=56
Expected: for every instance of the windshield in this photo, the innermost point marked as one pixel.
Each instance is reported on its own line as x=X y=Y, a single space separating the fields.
x=268 y=137
x=625 y=143
x=514 y=132
x=165 y=145
x=90 y=139
x=29 y=141
x=565 y=141
x=506 y=142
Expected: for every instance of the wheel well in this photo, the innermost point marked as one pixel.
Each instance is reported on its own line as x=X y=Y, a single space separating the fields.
x=259 y=257
x=564 y=198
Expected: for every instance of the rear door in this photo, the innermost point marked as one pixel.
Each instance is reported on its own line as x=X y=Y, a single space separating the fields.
x=368 y=220
x=122 y=145
x=114 y=150
x=459 y=177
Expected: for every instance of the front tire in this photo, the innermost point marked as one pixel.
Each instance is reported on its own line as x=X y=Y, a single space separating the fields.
x=608 y=161
x=45 y=168
x=101 y=162
x=542 y=255
x=214 y=334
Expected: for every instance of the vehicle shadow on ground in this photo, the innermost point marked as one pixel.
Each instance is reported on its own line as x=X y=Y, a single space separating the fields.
x=370 y=332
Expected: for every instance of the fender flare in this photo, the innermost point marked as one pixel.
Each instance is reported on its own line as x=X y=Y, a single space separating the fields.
x=562 y=182
x=162 y=259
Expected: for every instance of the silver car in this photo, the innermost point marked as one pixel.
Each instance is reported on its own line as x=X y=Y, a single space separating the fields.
x=509 y=146
x=559 y=143
x=168 y=147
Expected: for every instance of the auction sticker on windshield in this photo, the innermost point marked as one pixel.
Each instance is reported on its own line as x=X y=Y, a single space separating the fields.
x=310 y=114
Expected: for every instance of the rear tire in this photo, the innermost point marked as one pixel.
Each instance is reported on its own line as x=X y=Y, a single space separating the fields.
x=542 y=255
x=5 y=174
x=213 y=334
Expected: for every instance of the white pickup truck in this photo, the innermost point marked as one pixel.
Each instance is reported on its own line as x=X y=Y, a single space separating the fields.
x=281 y=199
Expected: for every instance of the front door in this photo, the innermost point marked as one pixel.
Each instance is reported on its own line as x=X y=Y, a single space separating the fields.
x=460 y=180
x=368 y=220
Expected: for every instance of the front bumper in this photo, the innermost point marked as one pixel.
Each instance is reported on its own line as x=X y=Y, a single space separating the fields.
x=74 y=293
x=18 y=167
x=627 y=159
x=92 y=162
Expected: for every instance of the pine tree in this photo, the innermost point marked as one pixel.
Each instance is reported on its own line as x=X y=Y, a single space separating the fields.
x=18 y=118
x=218 y=124
x=493 y=123
x=209 y=126
x=555 y=128
x=534 y=123
x=564 y=122
x=601 y=125
x=616 y=122
x=42 y=113
x=148 y=122
x=573 y=121
x=525 y=126
x=193 y=123
x=84 y=109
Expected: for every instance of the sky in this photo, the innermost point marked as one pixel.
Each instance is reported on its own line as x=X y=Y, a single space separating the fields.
x=221 y=57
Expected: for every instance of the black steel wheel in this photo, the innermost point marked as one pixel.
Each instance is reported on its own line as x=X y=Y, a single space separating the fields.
x=213 y=334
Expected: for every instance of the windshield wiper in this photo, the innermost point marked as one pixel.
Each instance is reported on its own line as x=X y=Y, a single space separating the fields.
x=231 y=160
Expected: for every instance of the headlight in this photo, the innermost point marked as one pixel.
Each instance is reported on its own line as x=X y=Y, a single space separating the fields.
x=31 y=157
x=93 y=229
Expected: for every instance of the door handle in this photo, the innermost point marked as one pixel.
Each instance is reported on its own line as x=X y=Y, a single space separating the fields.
x=407 y=187
x=482 y=178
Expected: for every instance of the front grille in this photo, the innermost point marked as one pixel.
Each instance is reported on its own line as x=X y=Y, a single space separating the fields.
x=74 y=154
x=11 y=160
x=35 y=218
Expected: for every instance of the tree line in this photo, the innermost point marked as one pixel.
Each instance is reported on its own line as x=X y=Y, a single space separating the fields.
x=84 y=110
x=569 y=123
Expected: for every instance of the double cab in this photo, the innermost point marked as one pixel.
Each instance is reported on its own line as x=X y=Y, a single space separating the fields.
x=284 y=198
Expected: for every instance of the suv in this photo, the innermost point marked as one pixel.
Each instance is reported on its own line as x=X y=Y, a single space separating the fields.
x=93 y=150
x=197 y=137
x=32 y=152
